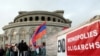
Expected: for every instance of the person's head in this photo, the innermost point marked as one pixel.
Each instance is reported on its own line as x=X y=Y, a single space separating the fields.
x=25 y=43
x=16 y=44
x=43 y=44
x=34 y=45
x=22 y=41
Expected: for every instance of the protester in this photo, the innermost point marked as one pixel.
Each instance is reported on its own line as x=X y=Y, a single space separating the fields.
x=32 y=50
x=43 y=49
x=21 y=48
x=15 y=50
x=29 y=51
x=40 y=51
x=24 y=50
x=7 y=52
x=25 y=46
x=36 y=50
x=12 y=51
x=2 y=52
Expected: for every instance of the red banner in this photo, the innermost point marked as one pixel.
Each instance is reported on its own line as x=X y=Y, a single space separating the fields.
x=84 y=41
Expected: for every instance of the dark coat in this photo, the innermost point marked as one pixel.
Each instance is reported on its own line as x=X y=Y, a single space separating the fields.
x=43 y=51
x=2 y=52
x=21 y=47
x=25 y=46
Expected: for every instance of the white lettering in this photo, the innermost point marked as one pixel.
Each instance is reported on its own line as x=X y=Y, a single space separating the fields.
x=97 y=45
x=95 y=33
x=87 y=46
x=86 y=35
x=91 y=45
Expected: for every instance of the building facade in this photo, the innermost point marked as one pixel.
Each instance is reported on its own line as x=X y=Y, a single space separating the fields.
x=26 y=23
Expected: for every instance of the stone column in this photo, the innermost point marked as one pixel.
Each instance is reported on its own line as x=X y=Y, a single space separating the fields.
x=27 y=38
x=17 y=38
x=9 y=38
x=51 y=46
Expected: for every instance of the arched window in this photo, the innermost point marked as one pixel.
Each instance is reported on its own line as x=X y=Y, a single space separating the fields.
x=43 y=18
x=54 y=20
x=30 y=19
x=31 y=31
x=21 y=20
x=13 y=34
x=22 y=33
x=36 y=18
x=25 y=19
x=6 y=35
x=58 y=20
x=48 y=19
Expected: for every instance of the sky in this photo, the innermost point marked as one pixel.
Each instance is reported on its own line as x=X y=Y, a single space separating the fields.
x=77 y=11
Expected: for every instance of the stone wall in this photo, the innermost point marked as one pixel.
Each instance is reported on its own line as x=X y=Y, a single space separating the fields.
x=51 y=46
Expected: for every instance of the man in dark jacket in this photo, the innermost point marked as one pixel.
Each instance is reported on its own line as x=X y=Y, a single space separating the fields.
x=21 y=48
x=2 y=51
x=25 y=46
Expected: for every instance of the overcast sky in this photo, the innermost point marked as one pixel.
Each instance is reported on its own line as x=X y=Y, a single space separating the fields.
x=77 y=11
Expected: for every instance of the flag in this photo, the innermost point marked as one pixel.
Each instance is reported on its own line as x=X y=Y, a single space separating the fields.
x=39 y=33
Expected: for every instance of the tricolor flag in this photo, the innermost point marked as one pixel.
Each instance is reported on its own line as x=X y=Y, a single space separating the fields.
x=39 y=33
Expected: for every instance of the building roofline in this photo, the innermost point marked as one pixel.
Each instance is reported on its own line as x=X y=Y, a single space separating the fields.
x=24 y=13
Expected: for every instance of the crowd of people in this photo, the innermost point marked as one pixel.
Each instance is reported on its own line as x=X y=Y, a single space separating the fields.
x=22 y=49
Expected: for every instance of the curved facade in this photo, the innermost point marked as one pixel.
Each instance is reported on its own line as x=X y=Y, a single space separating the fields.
x=26 y=22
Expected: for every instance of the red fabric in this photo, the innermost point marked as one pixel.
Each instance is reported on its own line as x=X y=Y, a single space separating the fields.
x=84 y=41
x=39 y=35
